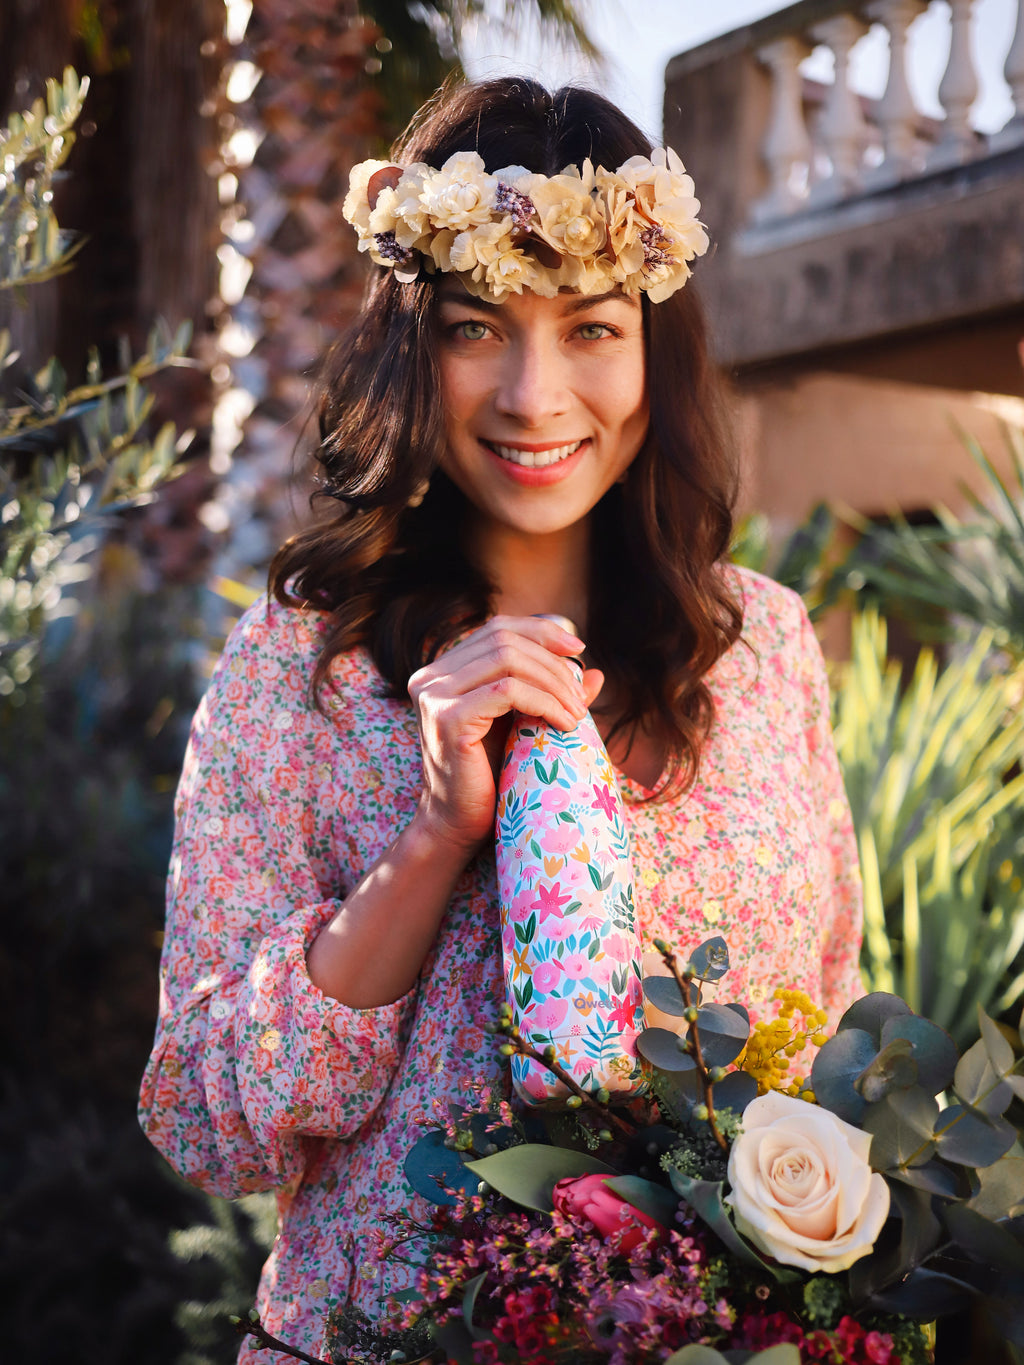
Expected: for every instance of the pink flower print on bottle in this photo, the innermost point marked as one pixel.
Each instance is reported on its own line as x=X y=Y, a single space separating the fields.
x=573 y=963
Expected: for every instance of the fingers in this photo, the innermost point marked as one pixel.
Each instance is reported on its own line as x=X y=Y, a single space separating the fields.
x=500 y=658
x=506 y=669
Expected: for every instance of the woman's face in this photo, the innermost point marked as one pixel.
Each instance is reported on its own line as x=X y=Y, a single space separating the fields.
x=545 y=402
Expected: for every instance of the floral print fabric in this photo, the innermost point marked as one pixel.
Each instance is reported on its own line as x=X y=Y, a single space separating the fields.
x=572 y=952
x=257 y=1081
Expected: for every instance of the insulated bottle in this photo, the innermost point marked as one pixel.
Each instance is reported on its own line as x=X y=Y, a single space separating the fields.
x=571 y=948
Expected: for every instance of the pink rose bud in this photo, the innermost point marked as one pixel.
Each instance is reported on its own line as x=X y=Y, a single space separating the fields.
x=589 y=1197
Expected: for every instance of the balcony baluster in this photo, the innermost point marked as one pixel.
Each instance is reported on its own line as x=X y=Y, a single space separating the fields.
x=1013 y=132
x=958 y=90
x=842 y=128
x=896 y=111
x=787 y=146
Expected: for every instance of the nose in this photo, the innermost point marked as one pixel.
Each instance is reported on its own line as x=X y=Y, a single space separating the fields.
x=532 y=387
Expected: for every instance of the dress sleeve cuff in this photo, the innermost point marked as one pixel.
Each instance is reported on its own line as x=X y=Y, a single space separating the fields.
x=306 y=1063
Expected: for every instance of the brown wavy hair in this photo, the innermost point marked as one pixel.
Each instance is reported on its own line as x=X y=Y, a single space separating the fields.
x=397 y=580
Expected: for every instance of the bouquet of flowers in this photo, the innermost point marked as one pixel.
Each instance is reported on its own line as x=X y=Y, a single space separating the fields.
x=735 y=1213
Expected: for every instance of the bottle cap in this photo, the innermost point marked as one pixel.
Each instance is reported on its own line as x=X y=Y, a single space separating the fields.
x=562 y=621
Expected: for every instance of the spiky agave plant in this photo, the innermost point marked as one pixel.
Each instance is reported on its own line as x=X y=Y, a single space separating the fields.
x=932 y=772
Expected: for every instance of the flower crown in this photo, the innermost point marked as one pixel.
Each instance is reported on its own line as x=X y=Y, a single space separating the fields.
x=585 y=229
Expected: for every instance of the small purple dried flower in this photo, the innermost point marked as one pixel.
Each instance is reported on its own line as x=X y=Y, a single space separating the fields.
x=510 y=200
x=654 y=242
x=390 y=249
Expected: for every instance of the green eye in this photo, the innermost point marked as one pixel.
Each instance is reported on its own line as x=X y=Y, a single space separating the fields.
x=472 y=331
x=593 y=331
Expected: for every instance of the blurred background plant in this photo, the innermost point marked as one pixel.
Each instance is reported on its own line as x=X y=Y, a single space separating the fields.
x=97 y=682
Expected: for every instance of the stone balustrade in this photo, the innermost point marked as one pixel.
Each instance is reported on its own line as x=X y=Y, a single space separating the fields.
x=837 y=218
x=819 y=152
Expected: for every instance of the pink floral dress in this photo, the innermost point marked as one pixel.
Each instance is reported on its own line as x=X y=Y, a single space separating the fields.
x=258 y=1081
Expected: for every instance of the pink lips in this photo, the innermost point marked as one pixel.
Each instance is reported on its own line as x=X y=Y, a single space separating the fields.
x=532 y=477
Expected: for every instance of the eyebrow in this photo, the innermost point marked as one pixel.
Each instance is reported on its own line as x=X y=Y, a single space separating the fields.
x=456 y=294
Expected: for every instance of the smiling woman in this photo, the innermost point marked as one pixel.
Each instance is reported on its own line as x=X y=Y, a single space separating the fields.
x=539 y=394
x=522 y=423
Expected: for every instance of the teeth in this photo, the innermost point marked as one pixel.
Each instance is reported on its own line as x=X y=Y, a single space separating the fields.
x=536 y=459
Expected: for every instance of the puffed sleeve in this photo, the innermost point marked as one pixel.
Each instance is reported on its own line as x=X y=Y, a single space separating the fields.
x=252 y=1063
x=842 y=911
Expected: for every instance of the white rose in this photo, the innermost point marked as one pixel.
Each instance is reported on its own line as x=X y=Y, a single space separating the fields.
x=570 y=220
x=460 y=195
x=802 y=1189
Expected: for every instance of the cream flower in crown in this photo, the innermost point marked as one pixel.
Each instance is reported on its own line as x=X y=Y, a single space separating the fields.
x=584 y=229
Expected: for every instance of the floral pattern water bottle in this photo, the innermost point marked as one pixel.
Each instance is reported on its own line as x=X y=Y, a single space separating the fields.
x=572 y=952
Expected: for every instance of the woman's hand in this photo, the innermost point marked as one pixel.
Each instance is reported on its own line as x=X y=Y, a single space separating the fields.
x=463 y=701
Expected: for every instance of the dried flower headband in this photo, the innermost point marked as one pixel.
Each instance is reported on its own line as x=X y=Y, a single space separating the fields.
x=587 y=230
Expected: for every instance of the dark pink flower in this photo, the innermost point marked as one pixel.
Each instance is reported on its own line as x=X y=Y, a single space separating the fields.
x=589 y=1197
x=550 y=901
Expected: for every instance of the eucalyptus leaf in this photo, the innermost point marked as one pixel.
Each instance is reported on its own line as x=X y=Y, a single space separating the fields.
x=735 y=1091
x=664 y=1049
x=977 y=1084
x=925 y=1295
x=972 y=1139
x=920 y=1230
x=429 y=1160
x=527 y=1174
x=934 y=1051
x=836 y=1067
x=711 y=960
x=1005 y=1315
x=721 y=1019
x=1001 y=1187
x=654 y=1200
x=720 y=1049
x=663 y=993
x=983 y=1240
x=1000 y=1053
x=891 y=1069
x=933 y=1176
x=901 y=1128
x=680 y=1091
x=870 y=1013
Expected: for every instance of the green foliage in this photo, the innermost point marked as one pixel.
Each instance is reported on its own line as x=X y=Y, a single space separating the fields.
x=33 y=147
x=810 y=561
x=69 y=457
x=959 y=573
x=86 y=789
x=882 y=1071
x=938 y=803
x=234 y=1241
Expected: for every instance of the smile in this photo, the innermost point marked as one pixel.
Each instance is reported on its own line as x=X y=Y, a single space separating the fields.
x=534 y=459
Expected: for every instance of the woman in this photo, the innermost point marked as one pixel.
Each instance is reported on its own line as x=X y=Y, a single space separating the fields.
x=523 y=421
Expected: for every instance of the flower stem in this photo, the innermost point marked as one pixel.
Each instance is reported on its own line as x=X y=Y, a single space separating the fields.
x=682 y=980
x=525 y=1049
x=254 y=1328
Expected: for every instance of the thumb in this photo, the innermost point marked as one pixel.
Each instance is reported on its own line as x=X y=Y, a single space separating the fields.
x=593 y=681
